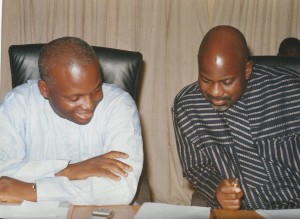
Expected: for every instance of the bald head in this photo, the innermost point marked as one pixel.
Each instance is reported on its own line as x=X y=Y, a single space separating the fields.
x=223 y=66
x=225 y=41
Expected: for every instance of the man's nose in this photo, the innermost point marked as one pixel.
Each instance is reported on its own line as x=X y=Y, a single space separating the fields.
x=88 y=103
x=217 y=90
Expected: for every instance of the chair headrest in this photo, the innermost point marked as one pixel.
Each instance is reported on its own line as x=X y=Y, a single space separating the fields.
x=119 y=67
x=278 y=61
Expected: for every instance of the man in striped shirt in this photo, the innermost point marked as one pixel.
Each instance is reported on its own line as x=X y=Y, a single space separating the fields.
x=238 y=128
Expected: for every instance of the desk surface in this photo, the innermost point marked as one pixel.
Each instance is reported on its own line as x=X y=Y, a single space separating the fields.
x=128 y=212
x=222 y=214
x=121 y=211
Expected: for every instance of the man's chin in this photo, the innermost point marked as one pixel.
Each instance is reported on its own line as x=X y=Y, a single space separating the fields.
x=222 y=108
x=79 y=121
x=82 y=121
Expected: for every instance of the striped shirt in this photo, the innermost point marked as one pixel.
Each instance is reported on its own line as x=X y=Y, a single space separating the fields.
x=256 y=140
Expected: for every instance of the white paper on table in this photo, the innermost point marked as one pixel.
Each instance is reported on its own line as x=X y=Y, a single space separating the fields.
x=162 y=211
x=42 y=210
x=280 y=214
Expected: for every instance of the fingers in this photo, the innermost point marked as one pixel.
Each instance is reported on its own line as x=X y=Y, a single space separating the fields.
x=114 y=170
x=119 y=164
x=230 y=206
x=119 y=167
x=230 y=202
x=116 y=154
x=230 y=189
x=229 y=194
x=106 y=165
x=112 y=167
x=111 y=175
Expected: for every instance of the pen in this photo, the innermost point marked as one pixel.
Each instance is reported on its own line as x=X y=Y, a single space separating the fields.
x=236 y=182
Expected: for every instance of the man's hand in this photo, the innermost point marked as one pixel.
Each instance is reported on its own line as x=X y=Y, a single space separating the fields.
x=229 y=195
x=105 y=165
x=16 y=191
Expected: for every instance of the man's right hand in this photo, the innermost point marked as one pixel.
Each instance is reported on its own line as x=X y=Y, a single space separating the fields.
x=105 y=165
x=229 y=195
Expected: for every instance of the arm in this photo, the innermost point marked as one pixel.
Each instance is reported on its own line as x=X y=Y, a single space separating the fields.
x=16 y=138
x=105 y=165
x=196 y=163
x=122 y=134
x=17 y=173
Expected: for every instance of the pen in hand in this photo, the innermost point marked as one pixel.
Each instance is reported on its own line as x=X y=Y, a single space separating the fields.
x=236 y=182
x=236 y=185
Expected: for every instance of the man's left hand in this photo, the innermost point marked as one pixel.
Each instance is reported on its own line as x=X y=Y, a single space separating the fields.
x=16 y=191
x=229 y=195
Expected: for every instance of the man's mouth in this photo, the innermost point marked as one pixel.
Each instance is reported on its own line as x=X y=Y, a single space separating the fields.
x=218 y=102
x=85 y=115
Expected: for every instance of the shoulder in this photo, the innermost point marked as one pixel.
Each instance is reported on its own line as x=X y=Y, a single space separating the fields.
x=188 y=101
x=116 y=104
x=267 y=71
x=189 y=92
x=112 y=93
x=268 y=82
x=115 y=99
x=23 y=94
x=266 y=77
x=22 y=101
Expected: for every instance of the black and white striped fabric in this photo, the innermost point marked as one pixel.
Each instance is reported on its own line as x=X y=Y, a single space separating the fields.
x=257 y=140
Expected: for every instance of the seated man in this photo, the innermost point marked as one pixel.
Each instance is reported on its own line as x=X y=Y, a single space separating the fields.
x=69 y=137
x=289 y=47
x=238 y=128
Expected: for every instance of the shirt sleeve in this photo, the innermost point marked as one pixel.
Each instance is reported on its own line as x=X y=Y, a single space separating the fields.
x=13 y=149
x=195 y=162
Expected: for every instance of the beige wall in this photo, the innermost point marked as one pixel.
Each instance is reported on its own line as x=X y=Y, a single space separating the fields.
x=167 y=33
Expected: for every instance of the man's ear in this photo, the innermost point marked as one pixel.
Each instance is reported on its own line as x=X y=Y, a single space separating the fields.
x=43 y=88
x=248 y=70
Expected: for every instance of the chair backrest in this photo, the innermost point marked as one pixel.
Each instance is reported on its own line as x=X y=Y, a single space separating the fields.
x=119 y=67
x=281 y=61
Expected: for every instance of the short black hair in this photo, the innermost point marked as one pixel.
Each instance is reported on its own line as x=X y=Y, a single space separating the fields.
x=53 y=52
x=287 y=45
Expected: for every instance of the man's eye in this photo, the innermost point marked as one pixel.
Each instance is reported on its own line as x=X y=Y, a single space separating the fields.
x=228 y=82
x=74 y=99
x=205 y=80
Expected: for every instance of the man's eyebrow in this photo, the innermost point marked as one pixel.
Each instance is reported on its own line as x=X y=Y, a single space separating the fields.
x=78 y=94
x=202 y=74
x=207 y=78
x=204 y=77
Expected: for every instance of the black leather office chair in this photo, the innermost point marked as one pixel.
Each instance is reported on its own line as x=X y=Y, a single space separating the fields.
x=119 y=67
x=280 y=61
